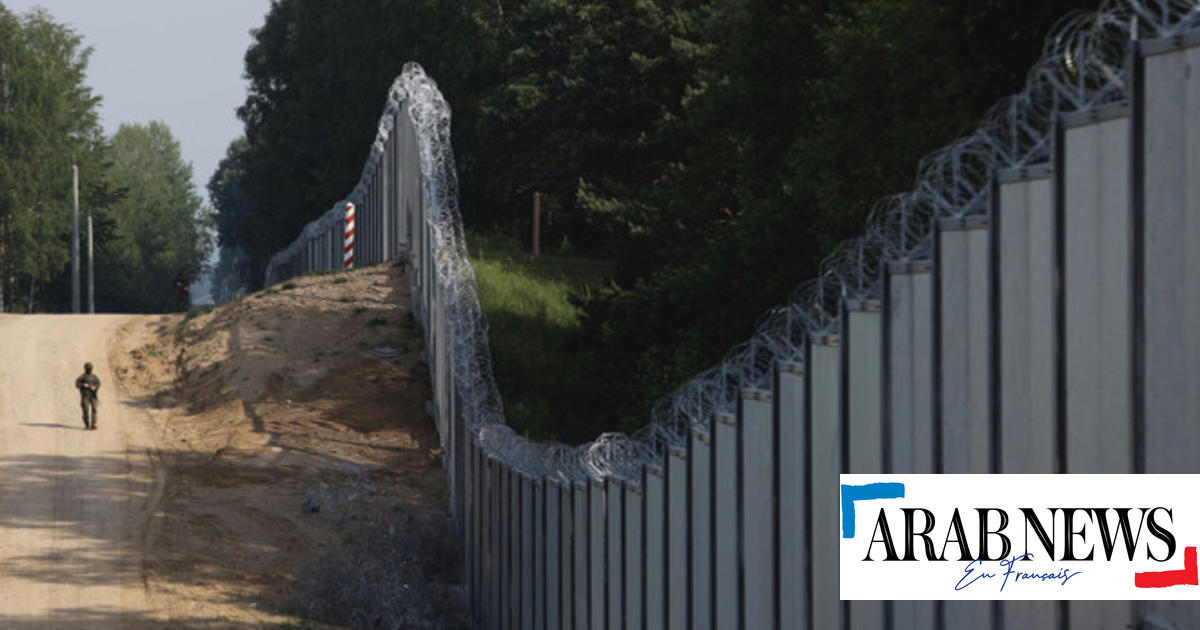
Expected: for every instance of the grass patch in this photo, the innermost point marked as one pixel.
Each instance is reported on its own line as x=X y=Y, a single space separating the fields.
x=341 y=280
x=288 y=286
x=197 y=311
x=531 y=319
x=377 y=321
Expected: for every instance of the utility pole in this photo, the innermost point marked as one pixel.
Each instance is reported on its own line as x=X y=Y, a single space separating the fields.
x=91 y=270
x=74 y=238
x=537 y=222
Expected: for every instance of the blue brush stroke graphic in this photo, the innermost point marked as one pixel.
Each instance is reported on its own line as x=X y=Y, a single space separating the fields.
x=850 y=494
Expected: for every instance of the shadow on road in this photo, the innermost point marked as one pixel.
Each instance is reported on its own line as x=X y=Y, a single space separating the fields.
x=105 y=619
x=97 y=511
x=54 y=425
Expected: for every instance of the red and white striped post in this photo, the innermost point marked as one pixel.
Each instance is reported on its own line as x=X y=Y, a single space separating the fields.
x=348 y=243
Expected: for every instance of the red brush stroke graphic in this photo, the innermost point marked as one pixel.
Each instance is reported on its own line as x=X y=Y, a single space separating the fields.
x=1187 y=576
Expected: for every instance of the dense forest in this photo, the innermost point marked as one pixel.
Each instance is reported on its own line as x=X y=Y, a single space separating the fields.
x=712 y=151
x=150 y=226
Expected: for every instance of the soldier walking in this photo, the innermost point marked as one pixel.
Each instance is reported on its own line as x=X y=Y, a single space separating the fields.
x=88 y=385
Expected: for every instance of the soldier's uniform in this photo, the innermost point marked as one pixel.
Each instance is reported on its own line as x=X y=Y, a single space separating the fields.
x=88 y=385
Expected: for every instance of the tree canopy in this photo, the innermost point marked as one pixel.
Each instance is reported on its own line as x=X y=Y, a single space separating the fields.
x=159 y=233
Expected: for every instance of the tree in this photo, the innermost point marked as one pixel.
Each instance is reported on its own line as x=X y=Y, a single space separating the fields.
x=226 y=190
x=227 y=193
x=48 y=120
x=585 y=112
x=160 y=225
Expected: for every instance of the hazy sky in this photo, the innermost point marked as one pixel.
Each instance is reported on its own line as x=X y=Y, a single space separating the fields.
x=178 y=61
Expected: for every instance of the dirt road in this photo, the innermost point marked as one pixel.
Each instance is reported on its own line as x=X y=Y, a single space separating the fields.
x=74 y=505
x=187 y=508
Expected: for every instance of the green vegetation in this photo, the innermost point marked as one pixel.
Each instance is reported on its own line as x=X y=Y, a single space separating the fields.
x=197 y=311
x=161 y=231
x=532 y=317
x=149 y=224
x=713 y=150
x=48 y=120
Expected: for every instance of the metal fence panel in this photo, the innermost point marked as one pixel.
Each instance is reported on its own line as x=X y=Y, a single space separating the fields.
x=725 y=590
x=1095 y=220
x=566 y=597
x=1026 y=328
x=614 y=554
x=793 y=530
x=512 y=551
x=700 y=510
x=909 y=318
x=485 y=543
x=824 y=385
x=963 y=277
x=474 y=554
x=386 y=205
x=527 y=552
x=495 y=520
x=539 y=567
x=910 y=369
x=1096 y=276
x=634 y=544
x=758 y=536
x=553 y=581
x=655 y=599
x=863 y=397
x=580 y=579
x=597 y=575
x=1171 y=302
x=963 y=273
x=678 y=532
x=1171 y=246
x=863 y=414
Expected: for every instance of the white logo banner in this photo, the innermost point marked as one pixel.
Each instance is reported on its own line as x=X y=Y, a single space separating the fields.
x=922 y=537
